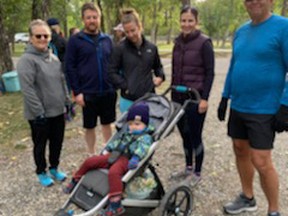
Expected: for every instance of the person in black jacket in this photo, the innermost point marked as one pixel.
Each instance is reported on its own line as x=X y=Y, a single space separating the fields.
x=133 y=61
x=57 y=43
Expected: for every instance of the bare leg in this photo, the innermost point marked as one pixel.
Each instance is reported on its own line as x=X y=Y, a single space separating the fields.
x=90 y=137
x=106 y=132
x=262 y=161
x=244 y=164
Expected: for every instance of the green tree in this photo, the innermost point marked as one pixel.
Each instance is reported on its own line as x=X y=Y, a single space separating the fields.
x=6 y=63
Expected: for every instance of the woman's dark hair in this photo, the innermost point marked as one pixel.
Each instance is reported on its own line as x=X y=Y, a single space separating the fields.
x=192 y=10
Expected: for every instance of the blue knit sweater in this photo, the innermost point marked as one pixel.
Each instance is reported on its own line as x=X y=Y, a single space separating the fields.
x=255 y=82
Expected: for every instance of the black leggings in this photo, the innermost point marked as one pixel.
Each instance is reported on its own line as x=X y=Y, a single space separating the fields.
x=52 y=131
x=190 y=127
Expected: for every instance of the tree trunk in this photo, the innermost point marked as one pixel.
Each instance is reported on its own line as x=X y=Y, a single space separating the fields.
x=170 y=30
x=103 y=17
x=154 y=24
x=185 y=2
x=119 y=6
x=45 y=9
x=6 y=63
x=35 y=10
x=284 y=8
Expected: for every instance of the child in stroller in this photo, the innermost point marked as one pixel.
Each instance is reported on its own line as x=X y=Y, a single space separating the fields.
x=91 y=194
x=119 y=156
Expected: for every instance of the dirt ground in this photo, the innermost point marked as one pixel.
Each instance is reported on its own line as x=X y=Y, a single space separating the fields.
x=22 y=195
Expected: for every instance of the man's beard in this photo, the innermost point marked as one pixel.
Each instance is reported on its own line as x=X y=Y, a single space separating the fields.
x=92 y=29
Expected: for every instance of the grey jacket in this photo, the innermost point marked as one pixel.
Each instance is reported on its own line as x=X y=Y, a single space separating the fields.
x=42 y=83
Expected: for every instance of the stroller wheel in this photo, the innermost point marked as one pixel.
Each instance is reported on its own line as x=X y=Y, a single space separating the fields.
x=177 y=202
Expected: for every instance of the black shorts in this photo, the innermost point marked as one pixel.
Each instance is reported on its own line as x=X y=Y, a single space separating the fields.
x=99 y=106
x=257 y=128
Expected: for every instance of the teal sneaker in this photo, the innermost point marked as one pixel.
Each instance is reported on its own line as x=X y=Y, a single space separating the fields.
x=45 y=180
x=57 y=175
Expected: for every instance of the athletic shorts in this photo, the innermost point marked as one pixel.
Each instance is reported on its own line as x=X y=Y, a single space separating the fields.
x=103 y=107
x=257 y=128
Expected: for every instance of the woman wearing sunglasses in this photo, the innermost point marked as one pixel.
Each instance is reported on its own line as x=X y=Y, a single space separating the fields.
x=44 y=95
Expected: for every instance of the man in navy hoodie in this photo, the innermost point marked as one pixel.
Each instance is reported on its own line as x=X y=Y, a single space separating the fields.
x=86 y=60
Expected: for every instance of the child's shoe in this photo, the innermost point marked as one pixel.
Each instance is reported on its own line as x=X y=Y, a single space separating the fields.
x=70 y=187
x=45 y=180
x=57 y=175
x=113 y=209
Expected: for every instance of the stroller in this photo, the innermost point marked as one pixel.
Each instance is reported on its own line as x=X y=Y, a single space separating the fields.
x=91 y=193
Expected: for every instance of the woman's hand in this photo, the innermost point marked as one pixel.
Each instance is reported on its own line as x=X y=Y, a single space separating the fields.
x=203 y=106
x=157 y=81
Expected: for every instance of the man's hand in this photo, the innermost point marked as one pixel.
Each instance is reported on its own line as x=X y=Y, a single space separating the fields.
x=79 y=99
x=280 y=123
x=222 y=109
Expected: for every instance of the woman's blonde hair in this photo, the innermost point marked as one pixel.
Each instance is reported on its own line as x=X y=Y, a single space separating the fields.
x=130 y=15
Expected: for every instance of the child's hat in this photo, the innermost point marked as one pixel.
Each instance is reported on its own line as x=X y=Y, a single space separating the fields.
x=139 y=111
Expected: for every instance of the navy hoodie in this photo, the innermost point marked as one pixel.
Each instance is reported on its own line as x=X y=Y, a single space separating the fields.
x=87 y=62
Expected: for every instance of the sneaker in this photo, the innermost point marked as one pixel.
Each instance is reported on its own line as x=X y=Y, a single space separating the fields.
x=57 y=175
x=45 y=180
x=70 y=187
x=240 y=204
x=111 y=212
x=274 y=214
x=195 y=179
x=181 y=174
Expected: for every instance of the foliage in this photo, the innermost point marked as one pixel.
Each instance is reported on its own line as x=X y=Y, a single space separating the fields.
x=220 y=20
x=17 y=16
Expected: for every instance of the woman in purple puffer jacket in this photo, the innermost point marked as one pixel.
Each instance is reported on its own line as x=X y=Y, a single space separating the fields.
x=192 y=66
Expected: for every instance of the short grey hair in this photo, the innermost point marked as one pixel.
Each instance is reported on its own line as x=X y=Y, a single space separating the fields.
x=37 y=22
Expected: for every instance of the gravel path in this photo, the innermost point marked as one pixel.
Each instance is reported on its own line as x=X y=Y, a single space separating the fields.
x=21 y=194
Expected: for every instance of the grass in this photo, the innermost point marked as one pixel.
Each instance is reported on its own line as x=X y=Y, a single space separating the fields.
x=13 y=127
x=18 y=49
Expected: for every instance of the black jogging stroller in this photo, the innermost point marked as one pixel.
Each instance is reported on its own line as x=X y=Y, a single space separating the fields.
x=91 y=193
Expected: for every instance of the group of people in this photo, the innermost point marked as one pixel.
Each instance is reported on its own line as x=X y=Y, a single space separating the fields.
x=95 y=69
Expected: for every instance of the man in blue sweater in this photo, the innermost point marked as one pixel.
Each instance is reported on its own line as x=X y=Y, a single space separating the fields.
x=256 y=86
x=87 y=59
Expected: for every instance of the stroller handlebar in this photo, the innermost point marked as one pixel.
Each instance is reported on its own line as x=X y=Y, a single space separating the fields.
x=192 y=92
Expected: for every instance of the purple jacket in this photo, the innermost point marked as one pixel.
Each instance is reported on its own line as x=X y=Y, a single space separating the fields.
x=193 y=64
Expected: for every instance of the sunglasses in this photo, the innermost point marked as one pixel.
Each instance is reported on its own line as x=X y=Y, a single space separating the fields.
x=39 y=36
